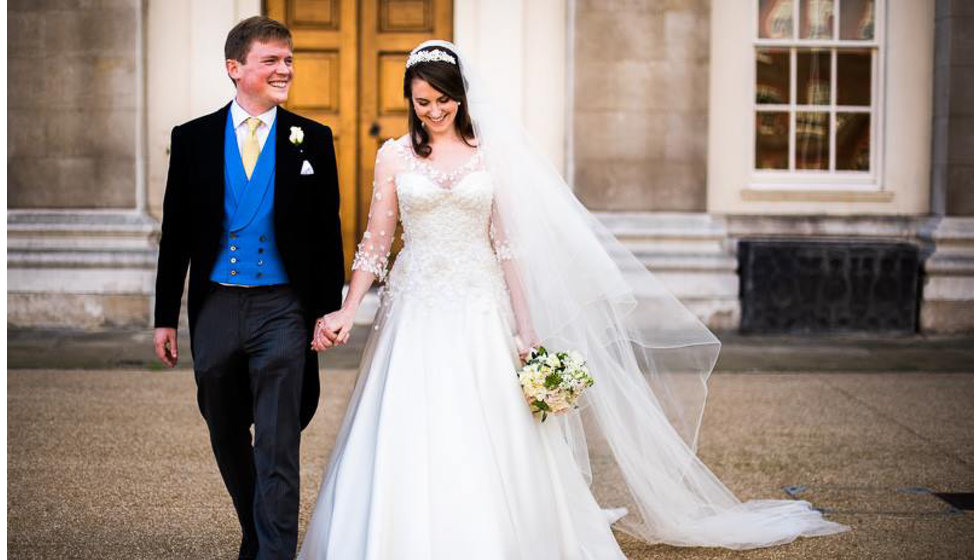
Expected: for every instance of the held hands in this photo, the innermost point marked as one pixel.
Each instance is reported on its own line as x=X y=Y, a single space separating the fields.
x=165 y=344
x=333 y=329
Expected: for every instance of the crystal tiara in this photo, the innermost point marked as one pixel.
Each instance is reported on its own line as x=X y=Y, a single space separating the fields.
x=434 y=55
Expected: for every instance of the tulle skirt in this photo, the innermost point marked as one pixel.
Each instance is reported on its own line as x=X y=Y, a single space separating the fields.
x=439 y=456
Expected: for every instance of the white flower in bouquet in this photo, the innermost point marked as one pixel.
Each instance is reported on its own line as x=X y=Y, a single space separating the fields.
x=553 y=382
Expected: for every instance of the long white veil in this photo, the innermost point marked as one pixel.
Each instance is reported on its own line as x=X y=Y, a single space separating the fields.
x=635 y=435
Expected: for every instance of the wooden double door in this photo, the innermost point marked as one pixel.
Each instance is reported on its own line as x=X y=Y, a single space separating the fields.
x=349 y=61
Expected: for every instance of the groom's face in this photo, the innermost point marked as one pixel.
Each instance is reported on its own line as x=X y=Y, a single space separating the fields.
x=264 y=79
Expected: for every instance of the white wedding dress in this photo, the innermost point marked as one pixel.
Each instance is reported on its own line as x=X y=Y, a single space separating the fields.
x=439 y=455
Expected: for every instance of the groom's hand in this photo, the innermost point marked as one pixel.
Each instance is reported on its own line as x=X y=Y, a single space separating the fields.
x=333 y=329
x=321 y=339
x=165 y=344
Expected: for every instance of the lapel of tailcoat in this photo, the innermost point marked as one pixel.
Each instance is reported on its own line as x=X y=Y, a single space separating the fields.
x=288 y=161
x=212 y=164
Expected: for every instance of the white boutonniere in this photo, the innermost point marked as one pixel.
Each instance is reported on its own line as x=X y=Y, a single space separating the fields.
x=296 y=135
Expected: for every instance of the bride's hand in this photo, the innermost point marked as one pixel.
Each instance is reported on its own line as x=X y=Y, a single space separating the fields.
x=530 y=346
x=333 y=329
x=524 y=354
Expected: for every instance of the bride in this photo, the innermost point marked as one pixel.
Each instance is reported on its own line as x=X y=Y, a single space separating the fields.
x=438 y=455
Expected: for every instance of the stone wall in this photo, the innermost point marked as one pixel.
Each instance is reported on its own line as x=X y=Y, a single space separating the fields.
x=952 y=169
x=947 y=293
x=72 y=104
x=641 y=104
x=80 y=248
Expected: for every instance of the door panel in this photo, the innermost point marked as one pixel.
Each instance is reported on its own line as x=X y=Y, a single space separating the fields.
x=390 y=29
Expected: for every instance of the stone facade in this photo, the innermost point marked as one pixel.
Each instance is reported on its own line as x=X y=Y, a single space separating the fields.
x=640 y=117
x=87 y=146
x=640 y=122
x=952 y=141
x=72 y=134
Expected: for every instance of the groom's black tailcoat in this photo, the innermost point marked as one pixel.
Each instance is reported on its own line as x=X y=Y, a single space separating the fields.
x=307 y=223
x=252 y=360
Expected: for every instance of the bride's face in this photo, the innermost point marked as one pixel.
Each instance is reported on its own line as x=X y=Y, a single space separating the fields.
x=434 y=108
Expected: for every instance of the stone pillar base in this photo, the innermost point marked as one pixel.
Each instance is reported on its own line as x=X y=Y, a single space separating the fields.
x=947 y=291
x=80 y=269
x=77 y=311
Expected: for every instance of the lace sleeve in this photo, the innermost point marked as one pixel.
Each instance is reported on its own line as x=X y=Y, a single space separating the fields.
x=499 y=239
x=375 y=246
x=515 y=285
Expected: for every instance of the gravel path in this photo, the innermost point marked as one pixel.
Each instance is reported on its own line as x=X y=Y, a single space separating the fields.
x=116 y=463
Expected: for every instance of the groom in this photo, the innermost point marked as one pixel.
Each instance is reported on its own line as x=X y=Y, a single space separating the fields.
x=252 y=206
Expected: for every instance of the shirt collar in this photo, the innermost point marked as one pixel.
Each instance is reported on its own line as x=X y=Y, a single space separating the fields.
x=239 y=115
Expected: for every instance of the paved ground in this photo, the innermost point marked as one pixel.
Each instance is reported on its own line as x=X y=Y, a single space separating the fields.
x=115 y=463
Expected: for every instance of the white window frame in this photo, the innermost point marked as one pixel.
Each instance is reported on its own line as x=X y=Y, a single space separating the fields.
x=831 y=179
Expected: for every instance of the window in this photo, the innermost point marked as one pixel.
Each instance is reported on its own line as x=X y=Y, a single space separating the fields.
x=816 y=100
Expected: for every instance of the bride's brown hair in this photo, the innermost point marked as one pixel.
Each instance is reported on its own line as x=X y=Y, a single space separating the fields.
x=448 y=79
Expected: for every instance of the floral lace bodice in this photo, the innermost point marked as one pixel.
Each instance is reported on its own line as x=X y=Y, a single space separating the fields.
x=452 y=251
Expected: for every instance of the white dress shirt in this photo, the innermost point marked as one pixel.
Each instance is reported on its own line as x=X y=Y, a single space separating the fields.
x=238 y=118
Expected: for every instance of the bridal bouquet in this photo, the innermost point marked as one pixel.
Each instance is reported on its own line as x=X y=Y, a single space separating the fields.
x=553 y=382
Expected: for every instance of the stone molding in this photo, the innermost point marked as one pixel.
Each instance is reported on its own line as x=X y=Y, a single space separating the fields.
x=691 y=253
x=97 y=268
x=80 y=268
x=947 y=291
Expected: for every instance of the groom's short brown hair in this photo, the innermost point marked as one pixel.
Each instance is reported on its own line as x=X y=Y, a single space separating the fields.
x=255 y=28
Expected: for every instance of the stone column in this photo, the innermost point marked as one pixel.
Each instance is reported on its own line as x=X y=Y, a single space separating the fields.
x=952 y=129
x=186 y=75
x=947 y=294
x=519 y=47
x=80 y=245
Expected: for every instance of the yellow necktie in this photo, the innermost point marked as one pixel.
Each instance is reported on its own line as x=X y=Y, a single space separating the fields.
x=250 y=151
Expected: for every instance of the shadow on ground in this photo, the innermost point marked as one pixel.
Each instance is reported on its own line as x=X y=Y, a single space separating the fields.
x=133 y=349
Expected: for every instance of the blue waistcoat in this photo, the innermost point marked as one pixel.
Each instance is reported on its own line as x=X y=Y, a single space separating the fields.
x=248 y=255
